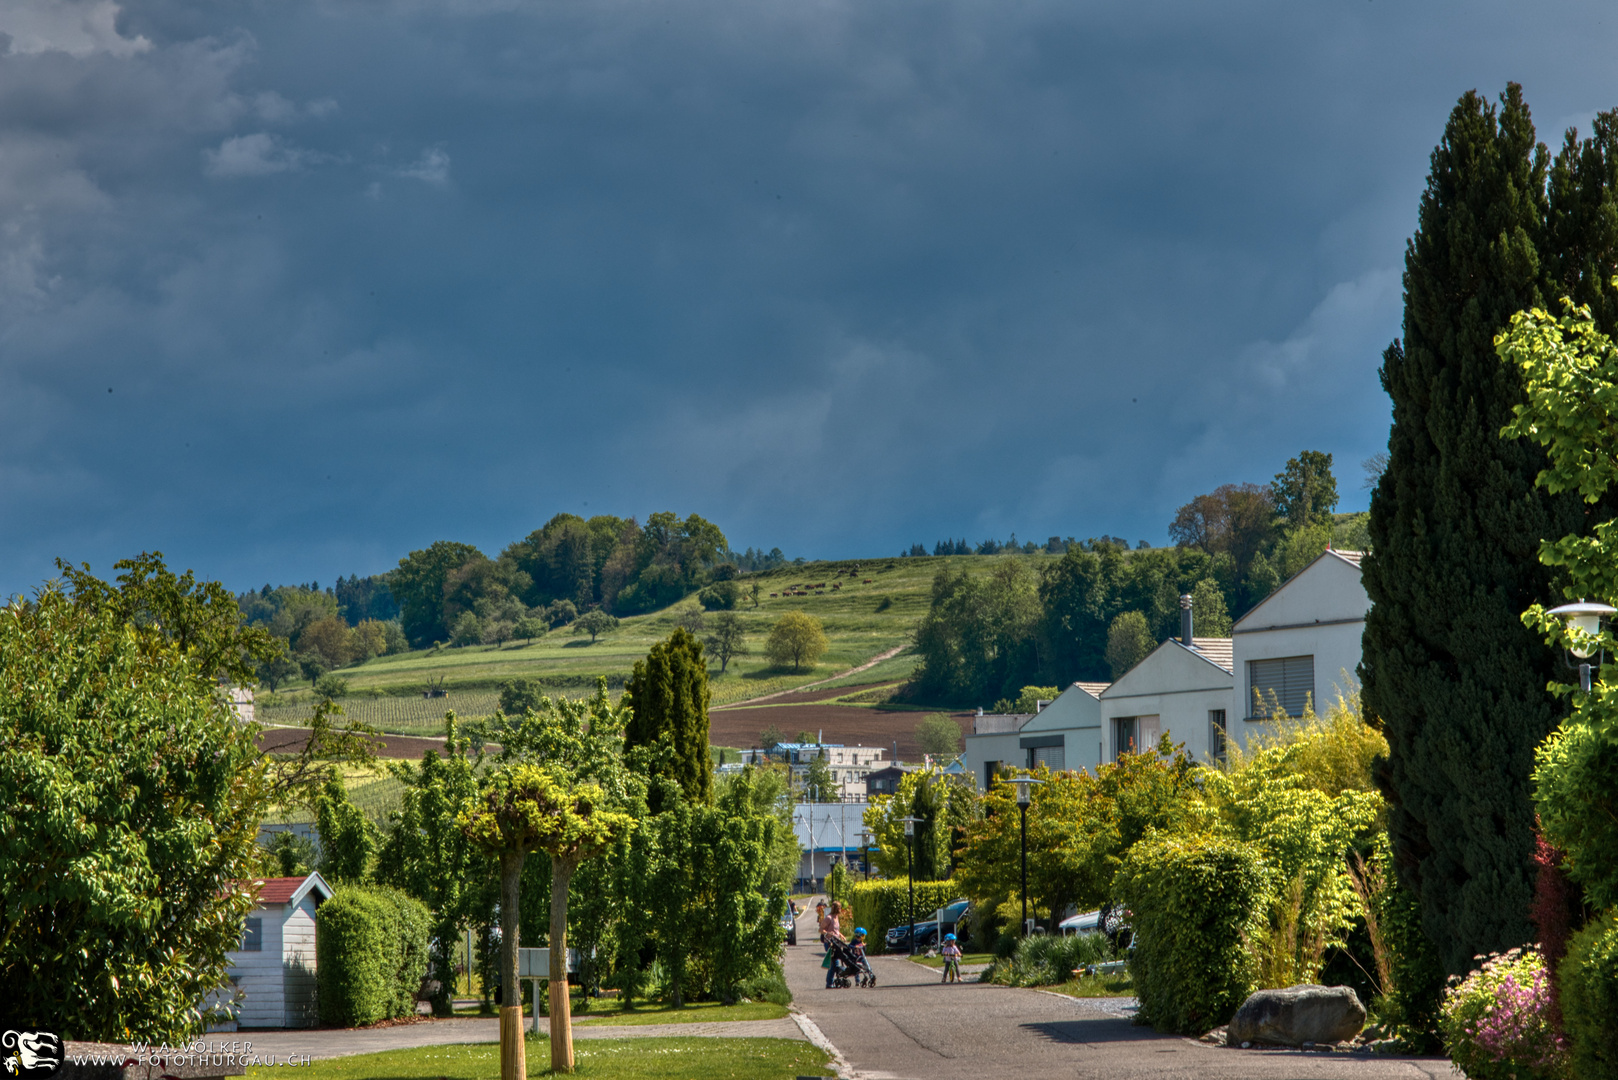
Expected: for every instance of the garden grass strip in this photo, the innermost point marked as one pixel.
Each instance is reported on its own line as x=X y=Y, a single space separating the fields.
x=702 y=1013
x=601 y=1059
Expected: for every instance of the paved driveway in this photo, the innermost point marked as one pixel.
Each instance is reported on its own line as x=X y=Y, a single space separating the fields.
x=912 y=1026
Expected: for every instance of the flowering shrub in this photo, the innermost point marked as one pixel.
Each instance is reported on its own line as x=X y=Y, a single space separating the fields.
x=1496 y=1023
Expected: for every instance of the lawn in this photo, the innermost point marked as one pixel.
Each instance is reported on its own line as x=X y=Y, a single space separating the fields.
x=602 y=1059
x=861 y=620
x=610 y=1011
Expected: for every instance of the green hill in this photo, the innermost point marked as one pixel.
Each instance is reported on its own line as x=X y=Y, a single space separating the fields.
x=868 y=607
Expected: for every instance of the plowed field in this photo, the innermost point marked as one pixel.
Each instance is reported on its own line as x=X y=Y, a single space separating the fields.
x=846 y=724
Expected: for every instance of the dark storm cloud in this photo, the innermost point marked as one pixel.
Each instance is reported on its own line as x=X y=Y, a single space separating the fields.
x=840 y=276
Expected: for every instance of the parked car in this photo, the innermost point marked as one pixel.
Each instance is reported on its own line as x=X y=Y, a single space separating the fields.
x=930 y=931
x=789 y=923
x=898 y=938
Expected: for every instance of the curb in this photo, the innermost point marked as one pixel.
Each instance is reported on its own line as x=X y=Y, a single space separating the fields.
x=812 y=1032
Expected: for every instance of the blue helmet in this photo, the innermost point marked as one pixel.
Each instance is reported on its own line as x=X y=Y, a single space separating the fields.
x=859 y=931
x=949 y=937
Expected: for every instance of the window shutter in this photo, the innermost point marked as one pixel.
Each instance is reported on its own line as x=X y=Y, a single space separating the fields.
x=1290 y=678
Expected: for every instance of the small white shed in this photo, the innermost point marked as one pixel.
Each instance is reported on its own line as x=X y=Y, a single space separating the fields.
x=273 y=973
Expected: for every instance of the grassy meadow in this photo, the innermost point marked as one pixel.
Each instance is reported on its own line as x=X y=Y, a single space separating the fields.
x=873 y=608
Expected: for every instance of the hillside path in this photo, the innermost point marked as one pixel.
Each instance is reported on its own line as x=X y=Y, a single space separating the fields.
x=867 y=666
x=910 y=1027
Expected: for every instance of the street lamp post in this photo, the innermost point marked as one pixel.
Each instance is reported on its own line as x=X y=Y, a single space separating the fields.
x=1023 y=784
x=1587 y=617
x=865 y=852
x=910 y=872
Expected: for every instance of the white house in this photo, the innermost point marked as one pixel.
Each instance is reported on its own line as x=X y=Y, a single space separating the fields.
x=1179 y=690
x=849 y=765
x=1301 y=643
x=1062 y=734
x=273 y=973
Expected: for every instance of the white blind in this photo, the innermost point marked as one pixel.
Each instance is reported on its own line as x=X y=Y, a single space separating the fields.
x=1291 y=679
x=1053 y=757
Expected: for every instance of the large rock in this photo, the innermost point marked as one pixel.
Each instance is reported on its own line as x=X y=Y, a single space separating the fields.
x=1298 y=1015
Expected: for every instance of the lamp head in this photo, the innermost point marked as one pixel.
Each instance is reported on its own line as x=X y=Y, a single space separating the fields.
x=1024 y=787
x=1583 y=616
x=910 y=824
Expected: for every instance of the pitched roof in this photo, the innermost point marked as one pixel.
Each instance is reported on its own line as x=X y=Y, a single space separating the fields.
x=1093 y=688
x=1347 y=556
x=1216 y=650
x=281 y=890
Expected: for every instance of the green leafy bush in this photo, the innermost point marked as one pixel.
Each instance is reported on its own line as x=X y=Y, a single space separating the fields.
x=1576 y=793
x=720 y=596
x=881 y=905
x=1195 y=906
x=1047 y=960
x=1496 y=1023
x=1409 y=1007
x=370 y=955
x=1589 y=986
x=769 y=985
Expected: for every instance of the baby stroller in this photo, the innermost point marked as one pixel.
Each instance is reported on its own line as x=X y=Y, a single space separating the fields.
x=865 y=977
x=848 y=966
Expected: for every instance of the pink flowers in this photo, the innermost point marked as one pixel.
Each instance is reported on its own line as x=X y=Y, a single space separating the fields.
x=1496 y=1023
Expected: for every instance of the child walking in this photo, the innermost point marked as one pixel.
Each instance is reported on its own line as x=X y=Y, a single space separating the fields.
x=952 y=959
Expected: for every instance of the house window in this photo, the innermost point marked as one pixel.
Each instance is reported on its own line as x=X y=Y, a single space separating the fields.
x=990 y=770
x=1288 y=682
x=253 y=937
x=1216 y=734
x=1123 y=736
x=1052 y=757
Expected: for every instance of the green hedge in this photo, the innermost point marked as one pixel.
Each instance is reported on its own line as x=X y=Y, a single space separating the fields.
x=1194 y=903
x=370 y=955
x=881 y=905
x=1589 y=992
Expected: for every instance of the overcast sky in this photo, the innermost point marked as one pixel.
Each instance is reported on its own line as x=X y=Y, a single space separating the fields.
x=290 y=288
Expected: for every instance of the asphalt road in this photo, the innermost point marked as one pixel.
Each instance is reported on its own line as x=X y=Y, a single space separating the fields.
x=913 y=1027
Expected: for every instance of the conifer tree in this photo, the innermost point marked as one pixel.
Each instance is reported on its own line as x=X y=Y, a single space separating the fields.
x=668 y=693
x=1455 y=677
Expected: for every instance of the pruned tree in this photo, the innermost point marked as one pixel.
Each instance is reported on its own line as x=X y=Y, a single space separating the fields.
x=526 y=808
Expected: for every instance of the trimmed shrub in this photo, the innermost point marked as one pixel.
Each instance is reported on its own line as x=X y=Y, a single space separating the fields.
x=351 y=954
x=1195 y=905
x=407 y=960
x=881 y=905
x=1589 y=998
x=370 y=956
x=1496 y=1023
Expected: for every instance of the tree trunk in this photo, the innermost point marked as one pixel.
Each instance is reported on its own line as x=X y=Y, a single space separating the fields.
x=513 y=1055
x=561 y=1016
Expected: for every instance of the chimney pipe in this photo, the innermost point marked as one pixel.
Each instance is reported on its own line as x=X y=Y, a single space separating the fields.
x=1185 y=620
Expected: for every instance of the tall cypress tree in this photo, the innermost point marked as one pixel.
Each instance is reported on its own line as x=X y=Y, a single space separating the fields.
x=668 y=693
x=1457 y=680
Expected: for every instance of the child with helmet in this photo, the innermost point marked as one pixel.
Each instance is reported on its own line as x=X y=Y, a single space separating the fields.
x=952 y=959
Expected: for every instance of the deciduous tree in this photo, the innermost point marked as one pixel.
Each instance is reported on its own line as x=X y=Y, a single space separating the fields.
x=130 y=801
x=595 y=623
x=728 y=639
x=797 y=639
